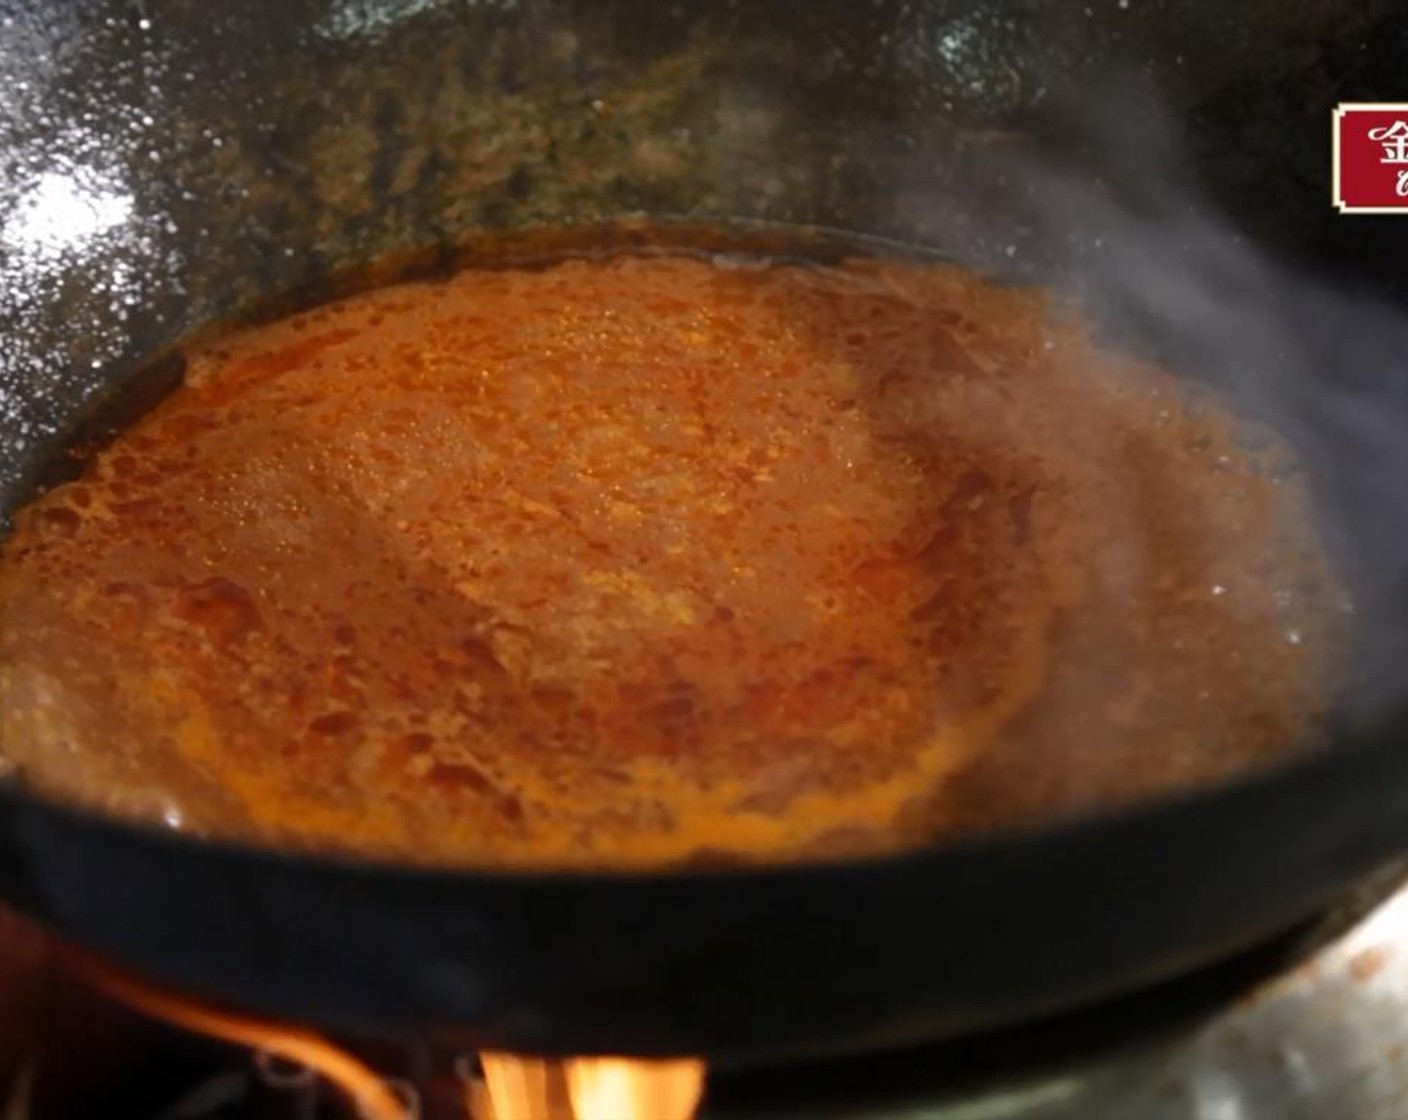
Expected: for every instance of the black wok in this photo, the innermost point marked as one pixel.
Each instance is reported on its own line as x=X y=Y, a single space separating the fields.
x=167 y=163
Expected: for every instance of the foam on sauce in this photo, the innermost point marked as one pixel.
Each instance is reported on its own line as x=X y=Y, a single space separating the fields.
x=647 y=559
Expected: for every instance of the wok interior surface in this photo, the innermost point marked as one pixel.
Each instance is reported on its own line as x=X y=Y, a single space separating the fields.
x=716 y=560
x=166 y=170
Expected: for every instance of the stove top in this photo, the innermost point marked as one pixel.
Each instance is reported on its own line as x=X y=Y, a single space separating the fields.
x=1328 y=1039
x=1311 y=1027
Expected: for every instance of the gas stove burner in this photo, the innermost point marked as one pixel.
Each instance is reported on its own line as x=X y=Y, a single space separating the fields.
x=1309 y=1025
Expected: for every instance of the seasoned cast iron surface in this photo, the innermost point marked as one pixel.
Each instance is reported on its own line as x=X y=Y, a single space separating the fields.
x=165 y=165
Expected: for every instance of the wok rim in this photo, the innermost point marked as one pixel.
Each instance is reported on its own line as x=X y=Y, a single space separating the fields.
x=1313 y=767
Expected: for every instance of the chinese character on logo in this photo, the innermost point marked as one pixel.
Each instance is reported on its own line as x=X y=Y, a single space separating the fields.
x=1369 y=147
x=1393 y=138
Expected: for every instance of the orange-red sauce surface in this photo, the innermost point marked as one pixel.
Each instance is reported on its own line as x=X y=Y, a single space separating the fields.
x=641 y=560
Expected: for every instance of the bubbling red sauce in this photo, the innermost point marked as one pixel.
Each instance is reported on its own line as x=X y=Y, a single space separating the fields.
x=642 y=560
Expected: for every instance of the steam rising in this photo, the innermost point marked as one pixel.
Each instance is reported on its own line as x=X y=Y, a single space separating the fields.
x=1114 y=217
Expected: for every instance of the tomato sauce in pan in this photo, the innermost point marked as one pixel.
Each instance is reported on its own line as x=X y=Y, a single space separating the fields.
x=643 y=560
